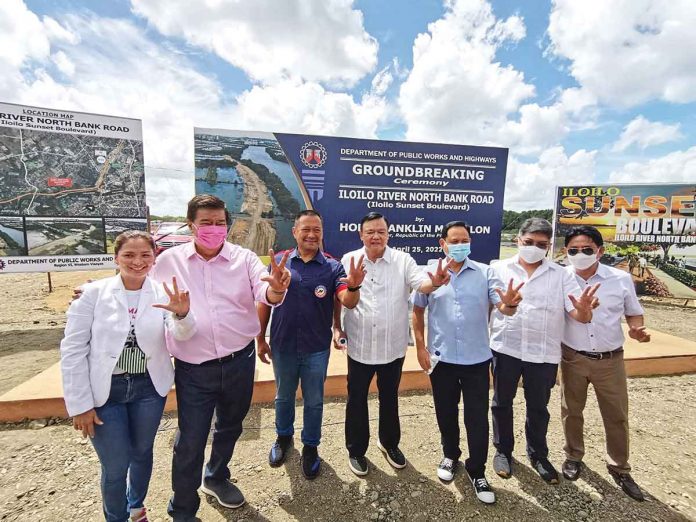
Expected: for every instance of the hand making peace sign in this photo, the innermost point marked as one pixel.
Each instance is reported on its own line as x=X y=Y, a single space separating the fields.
x=512 y=296
x=587 y=300
x=279 y=277
x=356 y=273
x=441 y=275
x=179 y=302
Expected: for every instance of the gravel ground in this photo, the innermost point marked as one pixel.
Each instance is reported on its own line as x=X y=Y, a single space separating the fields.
x=51 y=473
x=31 y=329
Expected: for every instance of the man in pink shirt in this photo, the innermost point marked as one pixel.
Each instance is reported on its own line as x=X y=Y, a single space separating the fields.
x=214 y=370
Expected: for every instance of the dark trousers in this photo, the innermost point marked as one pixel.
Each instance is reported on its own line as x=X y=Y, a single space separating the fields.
x=220 y=387
x=537 y=380
x=357 y=416
x=450 y=382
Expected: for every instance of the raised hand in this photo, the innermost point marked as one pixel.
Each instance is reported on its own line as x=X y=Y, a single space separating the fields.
x=279 y=277
x=356 y=273
x=512 y=296
x=587 y=300
x=179 y=301
x=441 y=275
x=639 y=334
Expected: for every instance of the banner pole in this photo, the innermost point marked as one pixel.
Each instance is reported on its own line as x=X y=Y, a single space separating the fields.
x=50 y=283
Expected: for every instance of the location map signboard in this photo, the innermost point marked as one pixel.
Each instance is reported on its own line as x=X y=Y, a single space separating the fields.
x=70 y=182
x=266 y=178
x=649 y=230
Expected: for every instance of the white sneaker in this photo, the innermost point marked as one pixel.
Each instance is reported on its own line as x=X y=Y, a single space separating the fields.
x=482 y=489
x=446 y=469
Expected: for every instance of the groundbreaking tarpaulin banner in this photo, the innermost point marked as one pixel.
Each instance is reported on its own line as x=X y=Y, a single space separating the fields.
x=266 y=178
x=648 y=230
x=70 y=182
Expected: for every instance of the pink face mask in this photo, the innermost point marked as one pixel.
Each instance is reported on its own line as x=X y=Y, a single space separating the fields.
x=211 y=236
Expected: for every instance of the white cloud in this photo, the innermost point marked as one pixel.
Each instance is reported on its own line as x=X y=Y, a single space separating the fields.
x=64 y=63
x=646 y=133
x=313 y=40
x=533 y=185
x=308 y=107
x=22 y=35
x=457 y=92
x=679 y=166
x=628 y=51
x=109 y=66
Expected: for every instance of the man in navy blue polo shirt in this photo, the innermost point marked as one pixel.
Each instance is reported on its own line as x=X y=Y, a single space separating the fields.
x=301 y=337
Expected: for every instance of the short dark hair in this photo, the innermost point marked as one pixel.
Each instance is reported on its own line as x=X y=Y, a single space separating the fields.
x=205 y=201
x=372 y=216
x=585 y=230
x=453 y=224
x=126 y=236
x=308 y=212
x=536 y=225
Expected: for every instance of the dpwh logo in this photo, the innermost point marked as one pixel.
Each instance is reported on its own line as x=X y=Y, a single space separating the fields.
x=2 y=265
x=313 y=154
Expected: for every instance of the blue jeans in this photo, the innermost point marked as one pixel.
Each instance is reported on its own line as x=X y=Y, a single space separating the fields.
x=124 y=443
x=309 y=370
x=220 y=386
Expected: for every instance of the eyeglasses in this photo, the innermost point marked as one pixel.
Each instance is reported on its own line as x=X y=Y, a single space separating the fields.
x=544 y=245
x=588 y=251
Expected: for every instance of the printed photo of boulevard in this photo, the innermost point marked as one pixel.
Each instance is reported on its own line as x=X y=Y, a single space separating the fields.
x=61 y=236
x=250 y=172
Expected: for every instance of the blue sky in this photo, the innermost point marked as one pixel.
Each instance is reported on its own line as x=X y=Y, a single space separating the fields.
x=580 y=92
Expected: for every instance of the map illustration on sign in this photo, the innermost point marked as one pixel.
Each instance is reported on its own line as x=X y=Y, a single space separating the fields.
x=68 y=182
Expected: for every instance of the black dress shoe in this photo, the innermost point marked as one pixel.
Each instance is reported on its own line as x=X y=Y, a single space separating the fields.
x=571 y=469
x=311 y=463
x=545 y=470
x=279 y=451
x=627 y=484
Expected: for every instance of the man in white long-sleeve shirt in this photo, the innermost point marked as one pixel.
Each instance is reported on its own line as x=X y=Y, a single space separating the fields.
x=377 y=334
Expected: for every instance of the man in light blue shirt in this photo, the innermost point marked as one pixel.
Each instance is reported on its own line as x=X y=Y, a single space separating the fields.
x=458 y=345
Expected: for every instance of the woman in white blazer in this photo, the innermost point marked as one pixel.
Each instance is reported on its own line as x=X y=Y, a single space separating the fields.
x=117 y=372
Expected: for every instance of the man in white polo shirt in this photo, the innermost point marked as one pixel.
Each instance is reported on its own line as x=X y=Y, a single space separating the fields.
x=528 y=344
x=377 y=334
x=593 y=353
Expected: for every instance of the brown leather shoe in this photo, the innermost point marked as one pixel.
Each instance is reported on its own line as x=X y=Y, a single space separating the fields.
x=571 y=469
x=628 y=485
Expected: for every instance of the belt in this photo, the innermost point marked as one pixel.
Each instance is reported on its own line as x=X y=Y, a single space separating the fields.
x=598 y=356
x=221 y=360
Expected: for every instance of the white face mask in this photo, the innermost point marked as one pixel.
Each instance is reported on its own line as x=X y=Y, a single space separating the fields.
x=531 y=253
x=582 y=261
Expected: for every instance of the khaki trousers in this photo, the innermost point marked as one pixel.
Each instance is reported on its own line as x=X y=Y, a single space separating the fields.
x=608 y=377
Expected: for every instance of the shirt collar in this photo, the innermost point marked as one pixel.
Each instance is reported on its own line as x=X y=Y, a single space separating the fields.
x=225 y=252
x=602 y=271
x=387 y=256
x=319 y=256
x=543 y=267
x=468 y=263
